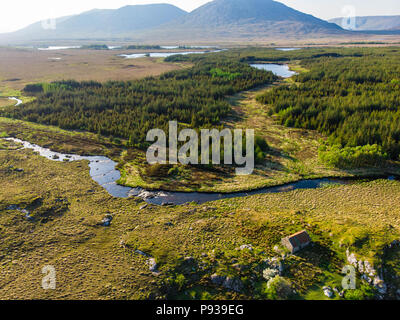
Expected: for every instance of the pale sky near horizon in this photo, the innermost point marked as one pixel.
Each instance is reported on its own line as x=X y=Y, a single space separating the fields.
x=17 y=14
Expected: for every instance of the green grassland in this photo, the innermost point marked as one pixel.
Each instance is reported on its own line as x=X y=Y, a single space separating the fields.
x=193 y=244
x=97 y=262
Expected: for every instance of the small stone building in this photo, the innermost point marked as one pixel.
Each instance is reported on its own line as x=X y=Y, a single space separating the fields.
x=296 y=241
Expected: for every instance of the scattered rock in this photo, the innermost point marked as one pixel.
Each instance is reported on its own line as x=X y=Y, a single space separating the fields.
x=106 y=222
x=146 y=194
x=217 y=279
x=380 y=285
x=246 y=246
x=233 y=284
x=143 y=206
x=275 y=263
x=328 y=292
x=366 y=278
x=269 y=274
x=153 y=265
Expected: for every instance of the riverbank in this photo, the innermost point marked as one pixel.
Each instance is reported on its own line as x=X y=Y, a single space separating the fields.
x=194 y=242
x=293 y=156
x=103 y=171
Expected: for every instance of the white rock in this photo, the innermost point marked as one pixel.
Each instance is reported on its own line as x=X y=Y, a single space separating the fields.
x=351 y=258
x=328 y=292
x=268 y=274
x=369 y=269
x=153 y=265
x=246 y=246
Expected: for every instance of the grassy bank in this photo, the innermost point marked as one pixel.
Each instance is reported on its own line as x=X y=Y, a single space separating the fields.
x=189 y=243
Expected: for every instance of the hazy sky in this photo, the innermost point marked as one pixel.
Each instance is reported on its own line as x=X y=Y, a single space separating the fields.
x=16 y=14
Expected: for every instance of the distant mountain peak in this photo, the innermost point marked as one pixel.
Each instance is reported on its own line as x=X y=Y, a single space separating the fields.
x=217 y=20
x=244 y=18
x=105 y=23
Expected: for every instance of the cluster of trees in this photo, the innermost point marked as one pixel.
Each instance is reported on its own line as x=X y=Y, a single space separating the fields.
x=195 y=96
x=354 y=100
x=352 y=157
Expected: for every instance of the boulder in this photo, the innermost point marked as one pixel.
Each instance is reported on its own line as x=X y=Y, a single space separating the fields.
x=106 y=222
x=268 y=274
x=246 y=246
x=328 y=292
x=351 y=258
x=369 y=269
x=146 y=195
x=275 y=263
x=217 y=279
x=233 y=284
x=153 y=265
x=380 y=285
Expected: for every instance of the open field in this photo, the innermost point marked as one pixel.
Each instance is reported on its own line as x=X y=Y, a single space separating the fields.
x=5 y=102
x=189 y=243
x=21 y=66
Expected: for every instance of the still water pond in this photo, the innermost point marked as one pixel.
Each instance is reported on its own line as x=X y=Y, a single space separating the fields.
x=281 y=70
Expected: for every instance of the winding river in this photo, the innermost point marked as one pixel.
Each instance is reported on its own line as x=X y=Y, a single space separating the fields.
x=103 y=171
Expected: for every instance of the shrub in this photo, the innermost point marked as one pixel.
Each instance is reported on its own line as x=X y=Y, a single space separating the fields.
x=352 y=157
x=365 y=292
x=261 y=147
x=278 y=288
x=157 y=170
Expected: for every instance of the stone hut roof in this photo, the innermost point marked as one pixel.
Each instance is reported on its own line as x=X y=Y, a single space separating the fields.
x=299 y=239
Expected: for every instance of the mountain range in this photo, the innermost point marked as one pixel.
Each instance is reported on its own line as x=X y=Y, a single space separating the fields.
x=372 y=23
x=248 y=19
x=221 y=20
x=107 y=23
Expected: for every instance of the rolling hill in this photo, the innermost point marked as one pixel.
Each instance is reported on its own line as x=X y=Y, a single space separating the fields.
x=106 y=23
x=216 y=20
x=248 y=19
x=374 y=23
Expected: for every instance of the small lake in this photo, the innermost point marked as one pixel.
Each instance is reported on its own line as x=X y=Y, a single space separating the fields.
x=103 y=171
x=287 y=49
x=54 y=48
x=281 y=70
x=188 y=47
x=163 y=54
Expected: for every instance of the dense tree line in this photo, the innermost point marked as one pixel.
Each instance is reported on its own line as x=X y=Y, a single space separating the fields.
x=195 y=96
x=354 y=100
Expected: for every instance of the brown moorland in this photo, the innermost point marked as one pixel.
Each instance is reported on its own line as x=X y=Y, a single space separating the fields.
x=21 y=66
